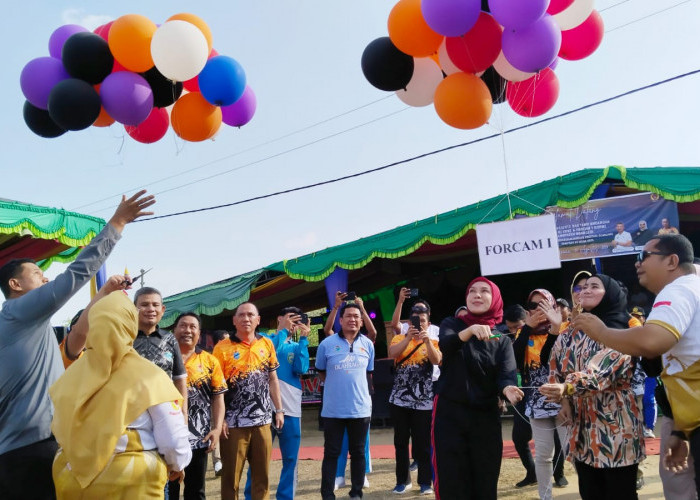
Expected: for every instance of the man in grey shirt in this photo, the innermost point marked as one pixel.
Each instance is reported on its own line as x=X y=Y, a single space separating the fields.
x=30 y=361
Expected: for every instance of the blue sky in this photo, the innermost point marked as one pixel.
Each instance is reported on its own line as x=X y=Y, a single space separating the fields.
x=302 y=58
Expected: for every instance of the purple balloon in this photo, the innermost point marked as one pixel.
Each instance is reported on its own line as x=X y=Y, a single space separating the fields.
x=38 y=78
x=554 y=64
x=451 y=17
x=59 y=37
x=517 y=14
x=534 y=47
x=240 y=112
x=126 y=97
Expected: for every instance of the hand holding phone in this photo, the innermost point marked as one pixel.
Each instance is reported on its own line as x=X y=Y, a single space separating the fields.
x=415 y=321
x=350 y=296
x=414 y=292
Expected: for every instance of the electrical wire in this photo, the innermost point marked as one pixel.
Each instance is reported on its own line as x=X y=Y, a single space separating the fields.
x=648 y=16
x=430 y=153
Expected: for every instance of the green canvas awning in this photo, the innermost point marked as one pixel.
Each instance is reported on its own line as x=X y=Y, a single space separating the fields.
x=44 y=234
x=680 y=184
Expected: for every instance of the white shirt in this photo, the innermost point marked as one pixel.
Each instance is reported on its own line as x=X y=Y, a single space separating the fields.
x=677 y=309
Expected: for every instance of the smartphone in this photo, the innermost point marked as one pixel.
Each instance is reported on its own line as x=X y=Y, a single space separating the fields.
x=414 y=292
x=350 y=296
x=415 y=321
x=304 y=318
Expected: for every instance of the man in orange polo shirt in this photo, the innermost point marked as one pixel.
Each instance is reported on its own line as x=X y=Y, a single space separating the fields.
x=249 y=362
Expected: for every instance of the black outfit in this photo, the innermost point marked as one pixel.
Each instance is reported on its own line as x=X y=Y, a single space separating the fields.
x=610 y=483
x=333 y=430
x=27 y=471
x=641 y=238
x=195 y=473
x=467 y=437
x=161 y=348
x=414 y=425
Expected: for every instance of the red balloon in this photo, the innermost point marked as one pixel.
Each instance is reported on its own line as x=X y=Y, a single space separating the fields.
x=556 y=6
x=534 y=96
x=103 y=31
x=152 y=129
x=582 y=40
x=478 y=48
x=192 y=85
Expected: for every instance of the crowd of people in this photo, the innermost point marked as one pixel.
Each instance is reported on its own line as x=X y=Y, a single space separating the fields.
x=138 y=409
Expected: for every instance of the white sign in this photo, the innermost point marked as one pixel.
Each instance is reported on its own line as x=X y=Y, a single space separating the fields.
x=518 y=245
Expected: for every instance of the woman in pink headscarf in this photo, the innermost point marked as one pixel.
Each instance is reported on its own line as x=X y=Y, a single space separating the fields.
x=478 y=368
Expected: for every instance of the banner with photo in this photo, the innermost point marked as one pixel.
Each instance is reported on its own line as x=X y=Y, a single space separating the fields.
x=613 y=226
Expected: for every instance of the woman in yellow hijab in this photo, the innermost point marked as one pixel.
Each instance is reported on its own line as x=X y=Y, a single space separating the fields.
x=117 y=416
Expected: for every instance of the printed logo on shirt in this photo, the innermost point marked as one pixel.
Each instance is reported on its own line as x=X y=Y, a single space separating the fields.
x=168 y=355
x=337 y=348
x=661 y=303
x=290 y=358
x=236 y=355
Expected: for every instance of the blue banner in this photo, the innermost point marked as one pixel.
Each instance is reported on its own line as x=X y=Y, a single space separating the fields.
x=609 y=227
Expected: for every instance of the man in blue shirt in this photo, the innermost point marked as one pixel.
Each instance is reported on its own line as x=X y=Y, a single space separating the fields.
x=343 y=361
x=293 y=358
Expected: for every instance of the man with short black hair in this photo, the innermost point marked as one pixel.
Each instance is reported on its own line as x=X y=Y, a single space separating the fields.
x=672 y=330
x=343 y=361
x=30 y=361
x=514 y=317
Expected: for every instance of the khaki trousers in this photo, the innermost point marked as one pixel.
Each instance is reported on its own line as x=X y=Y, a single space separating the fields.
x=246 y=443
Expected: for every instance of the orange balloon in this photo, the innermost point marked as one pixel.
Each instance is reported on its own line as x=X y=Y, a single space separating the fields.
x=194 y=119
x=409 y=31
x=463 y=100
x=130 y=42
x=103 y=119
x=198 y=22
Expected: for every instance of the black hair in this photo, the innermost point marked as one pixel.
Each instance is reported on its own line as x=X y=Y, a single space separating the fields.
x=218 y=335
x=679 y=245
x=146 y=290
x=12 y=269
x=421 y=301
x=189 y=313
x=289 y=309
x=514 y=313
x=563 y=302
x=348 y=306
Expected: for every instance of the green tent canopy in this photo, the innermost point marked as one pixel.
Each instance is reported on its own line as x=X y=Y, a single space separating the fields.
x=680 y=184
x=44 y=234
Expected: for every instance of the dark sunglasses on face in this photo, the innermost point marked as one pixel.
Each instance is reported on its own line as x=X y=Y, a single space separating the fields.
x=577 y=288
x=641 y=256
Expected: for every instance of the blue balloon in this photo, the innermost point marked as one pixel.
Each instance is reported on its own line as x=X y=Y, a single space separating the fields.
x=222 y=81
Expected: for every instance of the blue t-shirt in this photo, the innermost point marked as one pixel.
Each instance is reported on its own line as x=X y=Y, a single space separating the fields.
x=346 y=394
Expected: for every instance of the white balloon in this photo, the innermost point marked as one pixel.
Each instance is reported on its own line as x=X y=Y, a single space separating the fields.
x=574 y=14
x=445 y=62
x=420 y=91
x=179 y=50
x=507 y=71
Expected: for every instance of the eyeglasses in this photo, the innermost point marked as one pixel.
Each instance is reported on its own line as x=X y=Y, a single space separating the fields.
x=641 y=256
x=577 y=288
x=531 y=306
x=419 y=309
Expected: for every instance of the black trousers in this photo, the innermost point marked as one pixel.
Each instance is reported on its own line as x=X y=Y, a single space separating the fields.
x=695 y=452
x=468 y=447
x=333 y=430
x=414 y=425
x=26 y=472
x=522 y=435
x=195 y=474
x=614 y=483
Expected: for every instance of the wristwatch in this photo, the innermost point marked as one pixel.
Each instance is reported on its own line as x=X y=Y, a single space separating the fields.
x=281 y=410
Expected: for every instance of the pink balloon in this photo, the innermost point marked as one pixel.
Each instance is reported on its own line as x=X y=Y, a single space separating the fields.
x=556 y=6
x=477 y=49
x=152 y=129
x=240 y=112
x=582 y=40
x=534 y=96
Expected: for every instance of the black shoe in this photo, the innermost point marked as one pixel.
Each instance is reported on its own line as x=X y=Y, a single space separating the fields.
x=640 y=483
x=526 y=482
x=561 y=482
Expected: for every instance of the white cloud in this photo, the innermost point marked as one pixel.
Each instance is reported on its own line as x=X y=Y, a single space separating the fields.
x=82 y=18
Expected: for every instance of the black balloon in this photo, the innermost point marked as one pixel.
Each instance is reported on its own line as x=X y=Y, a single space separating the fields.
x=496 y=84
x=74 y=104
x=385 y=66
x=39 y=121
x=86 y=56
x=165 y=91
x=485 y=6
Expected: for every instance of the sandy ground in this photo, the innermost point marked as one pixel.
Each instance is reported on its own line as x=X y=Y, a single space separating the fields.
x=382 y=480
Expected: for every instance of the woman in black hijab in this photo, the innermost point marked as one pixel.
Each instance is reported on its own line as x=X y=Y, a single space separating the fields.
x=592 y=382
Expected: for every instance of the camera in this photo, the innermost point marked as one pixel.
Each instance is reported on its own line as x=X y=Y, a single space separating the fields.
x=350 y=296
x=414 y=292
x=304 y=318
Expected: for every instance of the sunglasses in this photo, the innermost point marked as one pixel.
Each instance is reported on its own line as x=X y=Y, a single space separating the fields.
x=531 y=306
x=641 y=256
x=577 y=288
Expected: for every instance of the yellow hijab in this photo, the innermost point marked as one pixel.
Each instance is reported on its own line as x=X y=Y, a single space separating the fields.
x=106 y=390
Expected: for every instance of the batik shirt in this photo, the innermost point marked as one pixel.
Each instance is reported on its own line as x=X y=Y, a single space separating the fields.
x=607 y=428
x=161 y=349
x=204 y=380
x=247 y=370
x=413 y=380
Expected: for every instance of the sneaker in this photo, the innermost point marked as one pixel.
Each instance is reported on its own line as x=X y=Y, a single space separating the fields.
x=366 y=485
x=426 y=489
x=526 y=482
x=640 y=483
x=339 y=483
x=561 y=482
x=218 y=468
x=400 y=489
x=648 y=433
x=413 y=467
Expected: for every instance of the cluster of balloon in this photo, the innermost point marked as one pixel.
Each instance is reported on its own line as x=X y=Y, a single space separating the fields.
x=144 y=76
x=463 y=56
